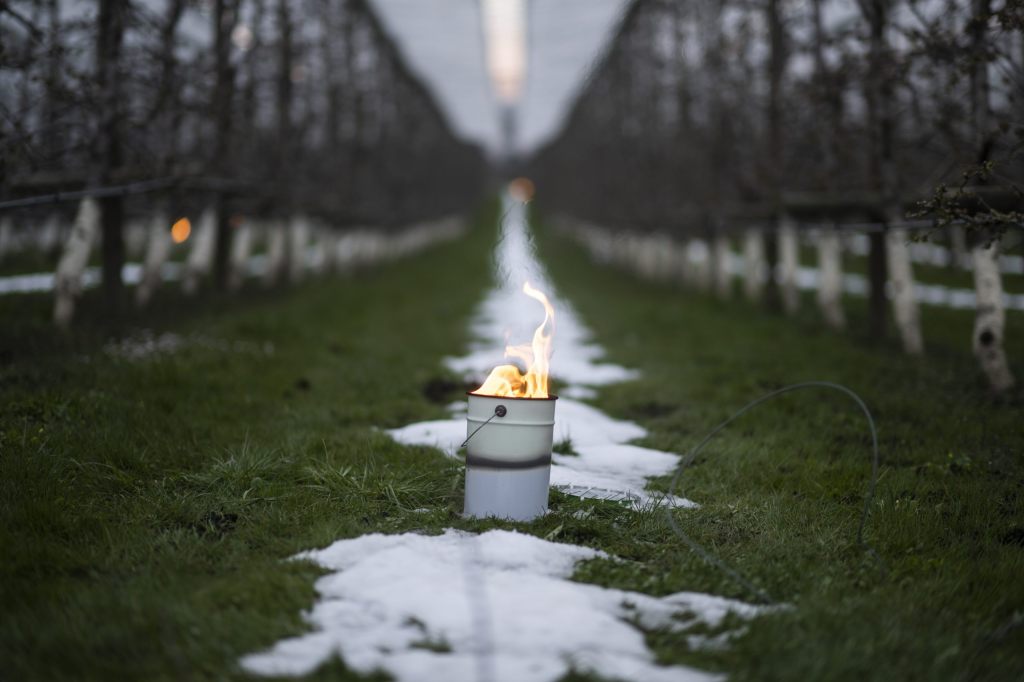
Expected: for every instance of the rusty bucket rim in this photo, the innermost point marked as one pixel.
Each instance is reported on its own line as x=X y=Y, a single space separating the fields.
x=551 y=396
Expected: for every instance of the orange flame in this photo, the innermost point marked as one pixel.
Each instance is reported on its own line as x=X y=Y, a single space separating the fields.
x=507 y=380
x=180 y=230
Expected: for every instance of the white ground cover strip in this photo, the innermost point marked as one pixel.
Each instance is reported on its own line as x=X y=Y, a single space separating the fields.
x=498 y=606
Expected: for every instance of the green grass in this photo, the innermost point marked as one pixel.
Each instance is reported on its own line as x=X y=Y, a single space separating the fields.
x=782 y=489
x=146 y=505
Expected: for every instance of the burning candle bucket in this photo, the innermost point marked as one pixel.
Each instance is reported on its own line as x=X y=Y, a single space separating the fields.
x=508 y=456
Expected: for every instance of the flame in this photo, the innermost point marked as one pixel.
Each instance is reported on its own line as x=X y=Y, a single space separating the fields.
x=507 y=380
x=180 y=230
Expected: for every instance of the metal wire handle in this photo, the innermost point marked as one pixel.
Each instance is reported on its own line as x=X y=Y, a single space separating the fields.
x=499 y=411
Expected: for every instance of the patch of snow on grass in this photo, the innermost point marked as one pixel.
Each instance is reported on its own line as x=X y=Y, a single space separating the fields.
x=403 y=604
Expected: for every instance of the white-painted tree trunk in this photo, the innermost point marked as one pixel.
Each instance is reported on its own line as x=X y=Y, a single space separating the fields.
x=648 y=257
x=678 y=267
x=721 y=273
x=699 y=264
x=830 y=284
x=135 y=239
x=318 y=252
x=344 y=257
x=664 y=257
x=754 y=265
x=789 y=261
x=298 y=231
x=330 y=244
x=990 y=322
x=158 y=250
x=68 y=279
x=200 y=258
x=277 y=252
x=904 y=298
x=238 y=259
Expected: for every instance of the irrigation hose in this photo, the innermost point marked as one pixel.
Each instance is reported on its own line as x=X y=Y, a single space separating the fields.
x=691 y=457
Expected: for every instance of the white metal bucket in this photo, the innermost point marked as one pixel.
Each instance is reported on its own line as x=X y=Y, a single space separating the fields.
x=508 y=456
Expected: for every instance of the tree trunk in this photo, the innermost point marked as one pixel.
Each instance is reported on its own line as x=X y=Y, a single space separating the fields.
x=830 y=286
x=879 y=94
x=789 y=263
x=904 y=298
x=754 y=265
x=298 y=232
x=990 y=322
x=720 y=256
x=277 y=252
x=111 y=20
x=158 y=249
x=68 y=278
x=241 y=247
x=777 y=60
x=225 y=17
x=200 y=258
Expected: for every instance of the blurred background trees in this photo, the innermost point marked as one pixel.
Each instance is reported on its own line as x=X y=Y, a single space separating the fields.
x=716 y=110
x=254 y=107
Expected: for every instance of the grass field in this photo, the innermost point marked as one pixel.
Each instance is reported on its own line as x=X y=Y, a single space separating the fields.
x=147 y=503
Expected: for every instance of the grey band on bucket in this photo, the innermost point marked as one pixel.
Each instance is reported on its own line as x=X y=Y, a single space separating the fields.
x=488 y=463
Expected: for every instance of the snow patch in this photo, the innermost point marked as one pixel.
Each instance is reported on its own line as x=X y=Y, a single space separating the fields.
x=463 y=607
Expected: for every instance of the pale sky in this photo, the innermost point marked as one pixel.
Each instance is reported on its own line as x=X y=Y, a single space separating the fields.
x=475 y=55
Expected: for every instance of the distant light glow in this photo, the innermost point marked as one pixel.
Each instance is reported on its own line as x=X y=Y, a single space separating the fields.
x=180 y=230
x=521 y=189
x=505 y=36
x=242 y=37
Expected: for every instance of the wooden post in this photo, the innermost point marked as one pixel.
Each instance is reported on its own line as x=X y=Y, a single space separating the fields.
x=68 y=279
x=904 y=298
x=789 y=261
x=754 y=265
x=158 y=249
x=830 y=285
x=990 y=321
